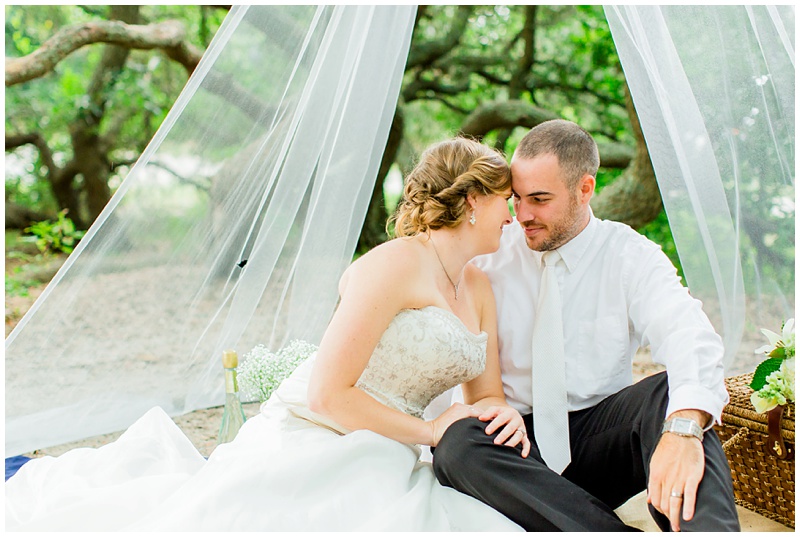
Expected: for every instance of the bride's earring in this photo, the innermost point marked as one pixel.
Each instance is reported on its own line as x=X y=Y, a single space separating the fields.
x=472 y=219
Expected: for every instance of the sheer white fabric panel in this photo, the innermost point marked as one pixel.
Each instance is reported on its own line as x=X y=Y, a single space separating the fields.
x=269 y=155
x=714 y=90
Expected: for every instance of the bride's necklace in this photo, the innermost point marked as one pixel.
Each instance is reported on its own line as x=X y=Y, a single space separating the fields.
x=454 y=284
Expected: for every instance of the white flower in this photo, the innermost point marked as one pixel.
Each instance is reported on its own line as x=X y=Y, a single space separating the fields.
x=296 y=351
x=779 y=388
x=262 y=371
x=787 y=369
x=784 y=339
x=764 y=404
x=787 y=336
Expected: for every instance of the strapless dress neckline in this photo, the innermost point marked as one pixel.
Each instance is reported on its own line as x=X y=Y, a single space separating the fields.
x=453 y=317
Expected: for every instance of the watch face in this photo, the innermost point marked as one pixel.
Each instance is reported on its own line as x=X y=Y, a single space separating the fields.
x=682 y=426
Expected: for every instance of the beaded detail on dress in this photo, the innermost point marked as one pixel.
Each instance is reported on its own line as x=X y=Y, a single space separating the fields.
x=423 y=353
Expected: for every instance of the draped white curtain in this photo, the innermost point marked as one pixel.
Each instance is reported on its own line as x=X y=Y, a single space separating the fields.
x=714 y=90
x=245 y=208
x=269 y=155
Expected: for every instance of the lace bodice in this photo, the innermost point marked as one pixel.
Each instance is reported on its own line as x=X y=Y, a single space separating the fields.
x=423 y=353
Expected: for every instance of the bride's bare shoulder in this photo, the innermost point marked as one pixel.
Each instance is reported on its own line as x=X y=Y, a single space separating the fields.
x=396 y=261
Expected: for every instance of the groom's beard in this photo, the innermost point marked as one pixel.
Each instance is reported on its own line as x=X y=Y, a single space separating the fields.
x=557 y=233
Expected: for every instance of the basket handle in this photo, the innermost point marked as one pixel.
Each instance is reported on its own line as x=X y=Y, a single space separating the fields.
x=775 y=443
x=735 y=440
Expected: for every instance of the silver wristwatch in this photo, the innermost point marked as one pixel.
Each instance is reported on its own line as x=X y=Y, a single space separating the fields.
x=683 y=427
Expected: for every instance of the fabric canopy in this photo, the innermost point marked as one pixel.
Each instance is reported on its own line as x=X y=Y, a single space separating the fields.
x=237 y=221
x=713 y=88
x=232 y=229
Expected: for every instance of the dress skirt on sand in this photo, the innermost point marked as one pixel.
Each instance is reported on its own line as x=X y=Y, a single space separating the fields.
x=288 y=469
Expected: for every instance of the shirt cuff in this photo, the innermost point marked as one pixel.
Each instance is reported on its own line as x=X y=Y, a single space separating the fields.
x=698 y=398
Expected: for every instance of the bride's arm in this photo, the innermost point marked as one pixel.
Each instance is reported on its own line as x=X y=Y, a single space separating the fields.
x=486 y=390
x=373 y=291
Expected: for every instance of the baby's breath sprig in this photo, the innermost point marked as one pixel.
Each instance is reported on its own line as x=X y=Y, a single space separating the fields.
x=262 y=371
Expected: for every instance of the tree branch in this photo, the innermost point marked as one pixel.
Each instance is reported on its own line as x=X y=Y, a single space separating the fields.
x=114 y=164
x=19 y=216
x=168 y=35
x=185 y=54
x=615 y=154
x=427 y=53
x=421 y=88
x=491 y=78
x=504 y=114
x=471 y=61
x=202 y=185
x=445 y=102
x=223 y=86
x=537 y=84
x=509 y=114
x=14 y=141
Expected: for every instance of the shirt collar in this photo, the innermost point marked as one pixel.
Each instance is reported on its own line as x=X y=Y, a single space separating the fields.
x=573 y=251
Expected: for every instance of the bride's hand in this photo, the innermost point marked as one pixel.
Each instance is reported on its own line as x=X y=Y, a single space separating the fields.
x=456 y=412
x=513 y=431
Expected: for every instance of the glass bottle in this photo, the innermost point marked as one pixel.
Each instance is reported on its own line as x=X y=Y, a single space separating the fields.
x=233 y=413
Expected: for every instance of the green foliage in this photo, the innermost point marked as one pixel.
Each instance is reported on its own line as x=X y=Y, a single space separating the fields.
x=58 y=236
x=763 y=371
x=578 y=72
x=659 y=232
x=26 y=267
x=575 y=74
x=18 y=283
x=137 y=101
x=23 y=185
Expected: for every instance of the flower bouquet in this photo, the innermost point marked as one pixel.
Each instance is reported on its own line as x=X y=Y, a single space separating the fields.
x=773 y=379
x=262 y=371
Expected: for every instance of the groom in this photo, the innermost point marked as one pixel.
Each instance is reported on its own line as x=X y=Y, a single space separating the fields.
x=576 y=297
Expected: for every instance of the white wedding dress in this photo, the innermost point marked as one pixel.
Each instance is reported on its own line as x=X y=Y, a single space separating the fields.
x=288 y=469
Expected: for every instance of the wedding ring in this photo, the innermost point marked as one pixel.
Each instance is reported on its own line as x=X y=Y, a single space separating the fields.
x=521 y=430
x=676 y=494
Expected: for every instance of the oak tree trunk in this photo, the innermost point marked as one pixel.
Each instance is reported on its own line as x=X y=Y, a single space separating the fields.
x=374 y=230
x=634 y=197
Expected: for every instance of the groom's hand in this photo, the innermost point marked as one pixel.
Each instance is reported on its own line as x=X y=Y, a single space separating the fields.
x=513 y=428
x=676 y=469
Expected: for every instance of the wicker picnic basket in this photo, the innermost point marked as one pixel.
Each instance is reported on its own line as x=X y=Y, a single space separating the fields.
x=760 y=450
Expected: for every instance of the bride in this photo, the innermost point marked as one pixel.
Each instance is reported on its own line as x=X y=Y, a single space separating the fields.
x=336 y=448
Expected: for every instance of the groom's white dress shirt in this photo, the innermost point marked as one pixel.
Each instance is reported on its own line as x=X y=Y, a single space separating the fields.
x=619 y=291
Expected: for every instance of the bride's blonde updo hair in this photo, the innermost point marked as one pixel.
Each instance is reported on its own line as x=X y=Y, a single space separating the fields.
x=435 y=194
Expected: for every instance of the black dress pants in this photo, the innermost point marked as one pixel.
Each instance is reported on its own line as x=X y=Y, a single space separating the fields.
x=611 y=446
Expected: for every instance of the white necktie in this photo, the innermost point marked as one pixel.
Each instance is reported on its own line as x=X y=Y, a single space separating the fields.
x=550 y=422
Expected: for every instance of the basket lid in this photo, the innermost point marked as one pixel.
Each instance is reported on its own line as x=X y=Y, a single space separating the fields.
x=740 y=411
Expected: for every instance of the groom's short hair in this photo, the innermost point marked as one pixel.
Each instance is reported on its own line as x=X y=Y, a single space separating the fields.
x=575 y=148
